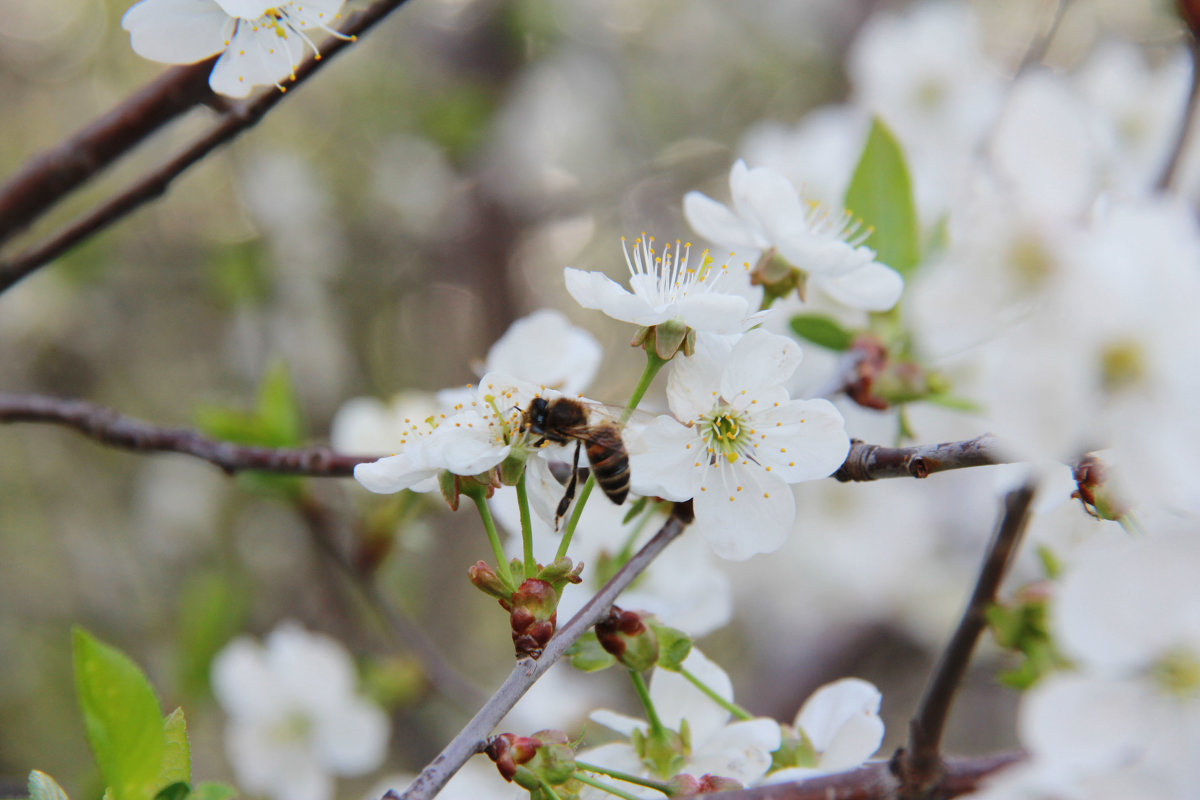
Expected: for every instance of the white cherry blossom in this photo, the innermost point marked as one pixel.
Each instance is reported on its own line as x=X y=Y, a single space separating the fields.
x=740 y=750
x=295 y=717
x=261 y=42
x=665 y=287
x=841 y=724
x=736 y=441
x=768 y=215
x=472 y=438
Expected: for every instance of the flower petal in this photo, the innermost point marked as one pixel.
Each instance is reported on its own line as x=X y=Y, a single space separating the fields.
x=801 y=440
x=255 y=57
x=740 y=750
x=177 y=31
x=595 y=290
x=715 y=222
x=676 y=698
x=841 y=719
x=743 y=510
x=760 y=360
x=392 y=474
x=873 y=287
x=353 y=740
x=666 y=468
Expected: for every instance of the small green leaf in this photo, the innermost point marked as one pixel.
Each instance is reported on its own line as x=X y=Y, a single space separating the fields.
x=822 y=330
x=212 y=790
x=588 y=655
x=174 y=791
x=43 y=787
x=880 y=194
x=177 y=758
x=122 y=717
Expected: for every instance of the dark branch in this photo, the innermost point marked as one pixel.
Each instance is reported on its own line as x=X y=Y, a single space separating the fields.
x=875 y=782
x=869 y=462
x=49 y=177
x=109 y=427
x=239 y=117
x=405 y=633
x=472 y=739
x=920 y=766
x=1186 y=122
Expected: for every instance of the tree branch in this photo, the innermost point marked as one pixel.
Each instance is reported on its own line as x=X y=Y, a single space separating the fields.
x=1187 y=122
x=869 y=462
x=107 y=426
x=920 y=767
x=237 y=118
x=473 y=738
x=875 y=781
x=50 y=176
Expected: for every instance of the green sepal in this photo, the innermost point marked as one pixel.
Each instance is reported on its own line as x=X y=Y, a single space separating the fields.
x=673 y=645
x=880 y=195
x=588 y=655
x=822 y=331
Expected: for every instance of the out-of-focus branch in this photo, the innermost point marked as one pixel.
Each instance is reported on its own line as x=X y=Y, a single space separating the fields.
x=920 y=766
x=869 y=462
x=1187 y=122
x=875 y=782
x=440 y=673
x=473 y=738
x=50 y=176
x=237 y=118
x=1041 y=42
x=111 y=428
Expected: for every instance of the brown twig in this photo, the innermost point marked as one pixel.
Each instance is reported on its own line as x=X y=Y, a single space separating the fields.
x=1186 y=123
x=239 y=117
x=52 y=175
x=472 y=738
x=440 y=673
x=869 y=462
x=875 y=782
x=111 y=428
x=920 y=766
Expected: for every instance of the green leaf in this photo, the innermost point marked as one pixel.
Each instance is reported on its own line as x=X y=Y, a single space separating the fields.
x=212 y=790
x=822 y=330
x=212 y=609
x=177 y=759
x=122 y=718
x=880 y=194
x=588 y=655
x=275 y=421
x=174 y=791
x=43 y=787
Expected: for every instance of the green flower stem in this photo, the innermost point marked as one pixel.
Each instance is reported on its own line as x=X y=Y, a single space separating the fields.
x=728 y=705
x=548 y=789
x=643 y=693
x=653 y=365
x=637 y=780
x=489 y=525
x=526 y=527
x=608 y=787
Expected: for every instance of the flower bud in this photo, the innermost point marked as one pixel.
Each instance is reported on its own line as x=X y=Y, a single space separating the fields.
x=509 y=751
x=533 y=615
x=487 y=580
x=1097 y=489
x=626 y=636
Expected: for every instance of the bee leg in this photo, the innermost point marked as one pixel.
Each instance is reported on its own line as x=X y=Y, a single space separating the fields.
x=569 y=495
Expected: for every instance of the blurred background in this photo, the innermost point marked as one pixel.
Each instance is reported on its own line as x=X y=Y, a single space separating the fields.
x=376 y=233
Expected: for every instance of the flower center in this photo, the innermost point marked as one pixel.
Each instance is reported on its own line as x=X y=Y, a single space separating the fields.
x=672 y=278
x=1122 y=366
x=1177 y=673
x=726 y=433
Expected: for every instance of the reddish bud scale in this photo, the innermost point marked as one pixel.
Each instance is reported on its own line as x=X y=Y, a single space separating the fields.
x=613 y=630
x=533 y=616
x=509 y=751
x=873 y=359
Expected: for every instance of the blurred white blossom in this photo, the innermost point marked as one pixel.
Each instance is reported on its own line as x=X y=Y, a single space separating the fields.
x=838 y=728
x=296 y=718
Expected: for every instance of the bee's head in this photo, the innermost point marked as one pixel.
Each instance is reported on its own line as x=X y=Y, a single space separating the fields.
x=535 y=415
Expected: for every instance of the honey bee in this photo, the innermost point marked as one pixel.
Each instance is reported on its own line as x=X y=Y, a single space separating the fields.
x=561 y=420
